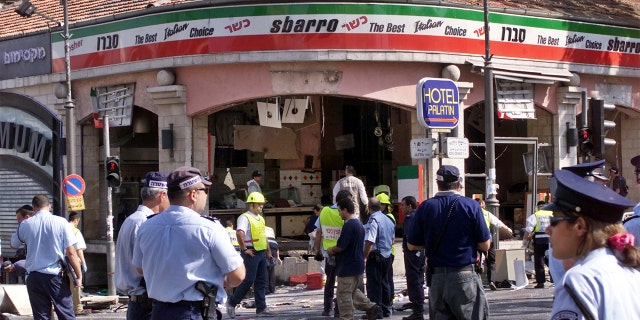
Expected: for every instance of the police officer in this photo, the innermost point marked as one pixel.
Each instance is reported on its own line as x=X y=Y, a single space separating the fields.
x=254 y=249
x=49 y=240
x=379 y=236
x=413 y=263
x=585 y=228
x=537 y=223
x=452 y=229
x=178 y=248
x=126 y=277
x=328 y=228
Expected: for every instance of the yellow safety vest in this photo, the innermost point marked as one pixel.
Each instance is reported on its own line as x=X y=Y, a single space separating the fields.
x=543 y=220
x=258 y=234
x=390 y=215
x=487 y=219
x=331 y=225
x=233 y=237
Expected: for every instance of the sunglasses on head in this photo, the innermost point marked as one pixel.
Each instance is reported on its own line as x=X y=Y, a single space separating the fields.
x=555 y=220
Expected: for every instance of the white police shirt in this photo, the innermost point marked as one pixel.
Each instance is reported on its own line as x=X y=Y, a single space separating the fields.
x=177 y=248
x=606 y=289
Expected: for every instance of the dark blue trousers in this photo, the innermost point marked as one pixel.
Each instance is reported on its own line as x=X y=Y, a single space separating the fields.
x=137 y=311
x=378 y=289
x=162 y=311
x=414 y=271
x=329 y=285
x=45 y=289
x=257 y=276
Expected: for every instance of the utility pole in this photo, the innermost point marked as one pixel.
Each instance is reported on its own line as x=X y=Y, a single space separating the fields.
x=490 y=157
x=68 y=104
x=111 y=251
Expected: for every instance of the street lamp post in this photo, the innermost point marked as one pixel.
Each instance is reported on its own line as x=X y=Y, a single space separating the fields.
x=68 y=104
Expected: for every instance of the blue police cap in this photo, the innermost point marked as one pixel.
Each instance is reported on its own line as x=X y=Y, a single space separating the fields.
x=155 y=179
x=574 y=193
x=585 y=169
x=448 y=173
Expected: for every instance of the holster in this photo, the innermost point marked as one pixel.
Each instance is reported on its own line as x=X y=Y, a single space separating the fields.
x=209 y=304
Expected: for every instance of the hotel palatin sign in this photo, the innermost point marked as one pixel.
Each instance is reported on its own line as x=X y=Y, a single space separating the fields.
x=351 y=26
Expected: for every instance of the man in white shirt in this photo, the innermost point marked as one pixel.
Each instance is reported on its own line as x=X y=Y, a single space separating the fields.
x=354 y=185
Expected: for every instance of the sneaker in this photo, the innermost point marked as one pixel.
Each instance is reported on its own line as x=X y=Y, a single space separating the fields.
x=493 y=286
x=231 y=310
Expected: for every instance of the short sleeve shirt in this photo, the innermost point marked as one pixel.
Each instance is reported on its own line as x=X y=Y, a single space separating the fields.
x=126 y=277
x=350 y=262
x=177 y=248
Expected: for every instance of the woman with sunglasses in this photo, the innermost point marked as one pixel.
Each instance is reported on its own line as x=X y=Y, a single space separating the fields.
x=585 y=229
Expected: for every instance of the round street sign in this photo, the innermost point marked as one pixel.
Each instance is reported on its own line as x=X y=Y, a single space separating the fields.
x=73 y=185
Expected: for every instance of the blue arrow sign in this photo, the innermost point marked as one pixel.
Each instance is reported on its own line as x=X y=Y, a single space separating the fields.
x=73 y=185
x=438 y=105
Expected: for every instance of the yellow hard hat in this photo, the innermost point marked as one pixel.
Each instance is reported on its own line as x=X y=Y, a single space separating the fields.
x=255 y=197
x=384 y=198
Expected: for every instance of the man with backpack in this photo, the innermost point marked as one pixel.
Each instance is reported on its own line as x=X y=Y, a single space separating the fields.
x=618 y=182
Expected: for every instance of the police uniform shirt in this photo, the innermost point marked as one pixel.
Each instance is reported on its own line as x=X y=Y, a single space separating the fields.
x=380 y=231
x=177 y=248
x=126 y=277
x=465 y=229
x=50 y=236
x=633 y=225
x=605 y=288
x=253 y=186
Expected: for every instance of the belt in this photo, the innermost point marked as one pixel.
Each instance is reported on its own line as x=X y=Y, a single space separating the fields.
x=140 y=298
x=453 y=269
x=183 y=303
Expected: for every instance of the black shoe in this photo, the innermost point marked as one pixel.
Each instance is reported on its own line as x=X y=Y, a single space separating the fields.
x=414 y=316
x=374 y=313
x=406 y=306
x=540 y=286
x=326 y=313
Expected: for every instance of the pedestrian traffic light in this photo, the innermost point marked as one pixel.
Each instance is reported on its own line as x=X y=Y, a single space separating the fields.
x=585 y=145
x=600 y=126
x=112 y=165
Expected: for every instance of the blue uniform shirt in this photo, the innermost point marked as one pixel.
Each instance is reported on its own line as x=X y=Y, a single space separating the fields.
x=126 y=277
x=633 y=225
x=177 y=248
x=606 y=289
x=465 y=229
x=380 y=230
x=47 y=237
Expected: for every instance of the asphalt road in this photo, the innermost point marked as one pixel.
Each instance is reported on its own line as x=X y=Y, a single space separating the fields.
x=298 y=303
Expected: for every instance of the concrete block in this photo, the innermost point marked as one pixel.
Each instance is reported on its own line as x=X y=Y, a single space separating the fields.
x=14 y=299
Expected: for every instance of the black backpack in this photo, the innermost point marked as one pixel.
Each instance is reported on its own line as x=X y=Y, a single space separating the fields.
x=624 y=188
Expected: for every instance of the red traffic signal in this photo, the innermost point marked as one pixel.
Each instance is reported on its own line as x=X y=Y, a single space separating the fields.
x=112 y=165
x=585 y=138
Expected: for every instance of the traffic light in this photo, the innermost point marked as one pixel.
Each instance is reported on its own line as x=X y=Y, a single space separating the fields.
x=585 y=145
x=600 y=126
x=112 y=165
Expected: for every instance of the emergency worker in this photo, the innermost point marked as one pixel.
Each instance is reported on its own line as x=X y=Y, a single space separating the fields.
x=272 y=260
x=232 y=235
x=179 y=248
x=254 y=248
x=328 y=229
x=537 y=223
x=387 y=209
x=492 y=220
x=585 y=228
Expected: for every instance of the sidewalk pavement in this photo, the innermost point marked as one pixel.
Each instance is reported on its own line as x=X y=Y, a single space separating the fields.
x=297 y=303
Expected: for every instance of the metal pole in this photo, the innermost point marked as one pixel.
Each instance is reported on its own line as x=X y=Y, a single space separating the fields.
x=111 y=252
x=491 y=201
x=68 y=105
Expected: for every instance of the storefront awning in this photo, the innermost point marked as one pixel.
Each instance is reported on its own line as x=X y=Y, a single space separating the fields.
x=523 y=73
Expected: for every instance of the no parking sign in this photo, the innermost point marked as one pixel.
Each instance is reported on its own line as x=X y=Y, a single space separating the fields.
x=73 y=187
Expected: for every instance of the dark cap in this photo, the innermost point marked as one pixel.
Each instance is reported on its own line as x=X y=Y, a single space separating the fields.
x=585 y=169
x=576 y=194
x=256 y=173
x=614 y=170
x=155 y=179
x=185 y=177
x=6 y=264
x=448 y=173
